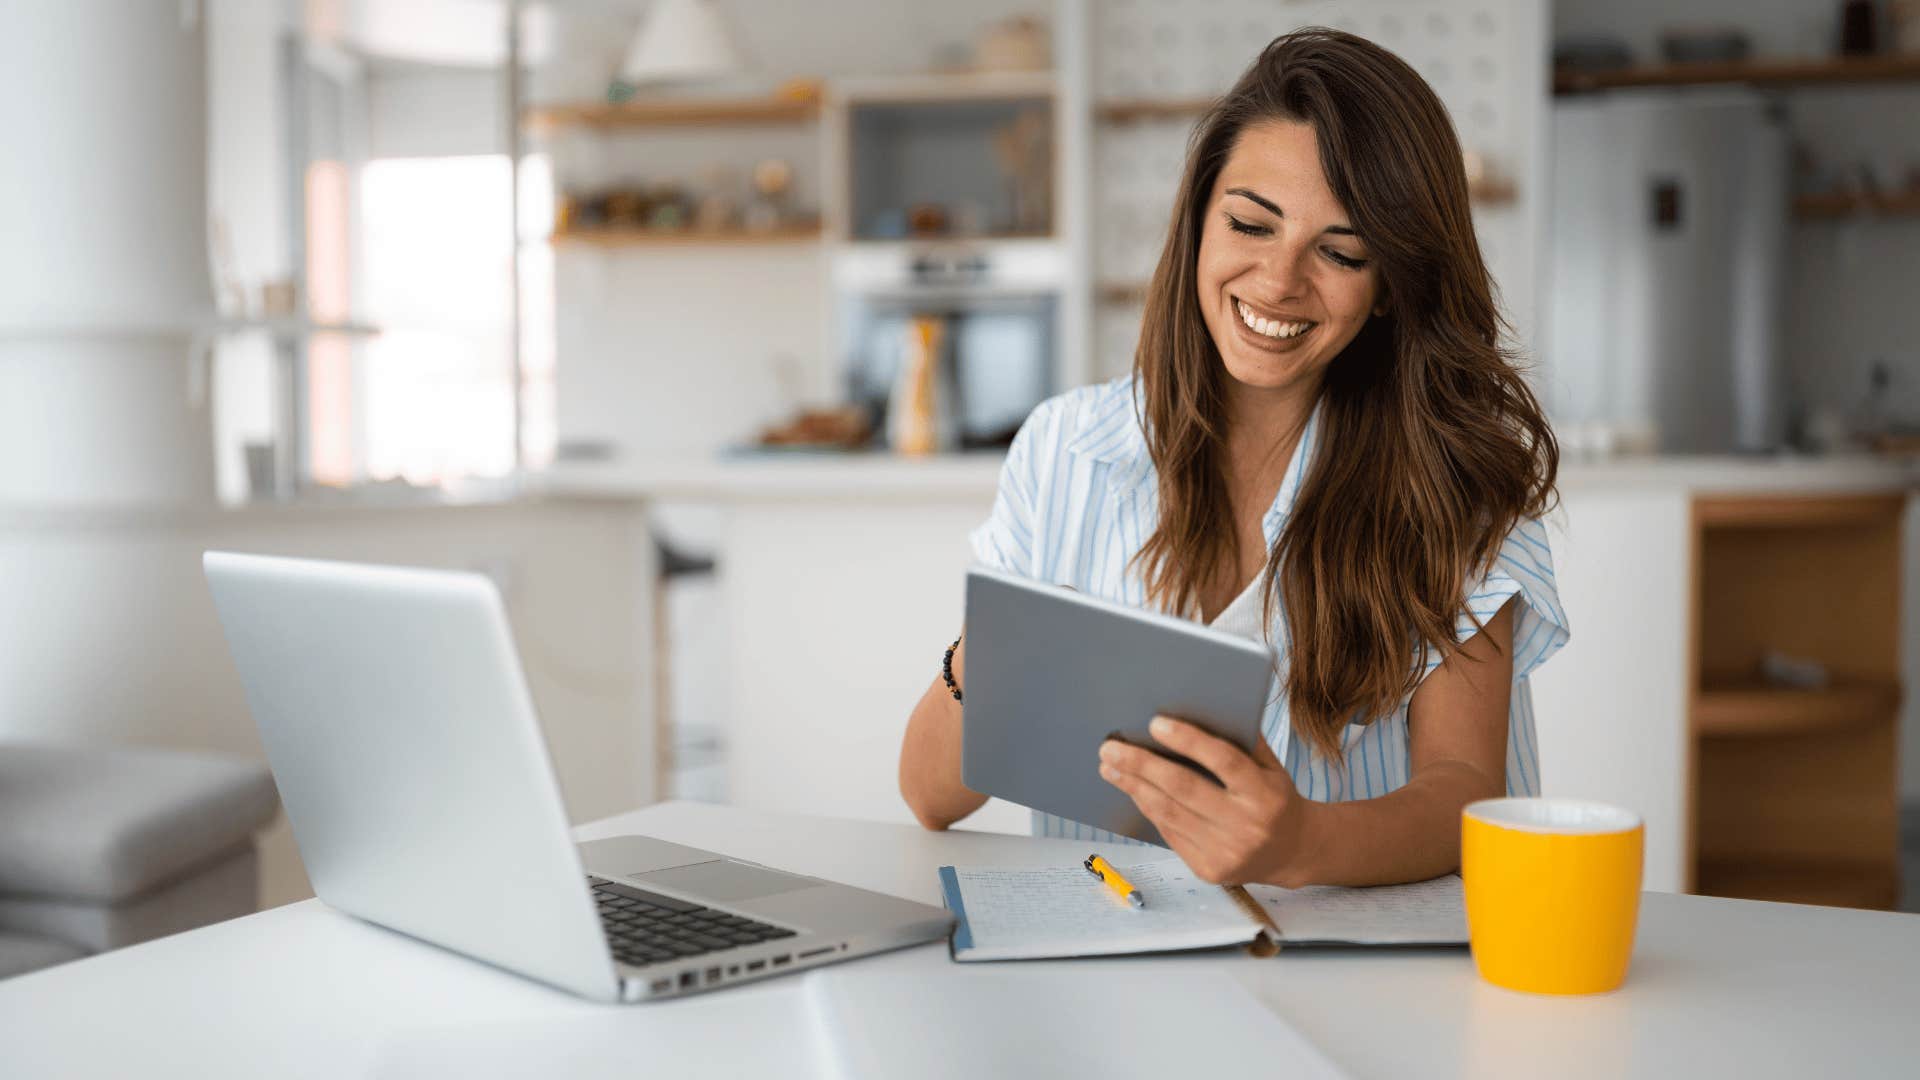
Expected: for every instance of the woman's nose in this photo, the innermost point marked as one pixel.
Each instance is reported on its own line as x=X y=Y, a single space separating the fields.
x=1283 y=273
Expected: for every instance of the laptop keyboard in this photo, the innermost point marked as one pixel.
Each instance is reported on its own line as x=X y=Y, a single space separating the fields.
x=647 y=928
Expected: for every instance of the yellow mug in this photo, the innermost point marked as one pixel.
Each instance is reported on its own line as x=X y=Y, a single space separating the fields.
x=1553 y=892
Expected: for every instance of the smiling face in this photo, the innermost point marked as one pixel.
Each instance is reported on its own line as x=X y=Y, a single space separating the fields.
x=1284 y=282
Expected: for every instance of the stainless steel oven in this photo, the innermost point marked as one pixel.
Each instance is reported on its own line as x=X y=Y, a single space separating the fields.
x=999 y=306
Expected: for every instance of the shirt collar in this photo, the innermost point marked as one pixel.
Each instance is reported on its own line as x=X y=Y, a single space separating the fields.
x=1113 y=435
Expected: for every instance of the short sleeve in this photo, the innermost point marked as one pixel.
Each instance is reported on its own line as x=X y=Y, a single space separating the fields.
x=1524 y=569
x=1005 y=541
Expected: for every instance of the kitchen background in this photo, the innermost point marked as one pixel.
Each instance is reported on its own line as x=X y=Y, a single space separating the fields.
x=699 y=324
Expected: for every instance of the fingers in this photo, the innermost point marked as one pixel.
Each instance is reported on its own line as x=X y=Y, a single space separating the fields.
x=1221 y=758
x=1177 y=782
x=1167 y=813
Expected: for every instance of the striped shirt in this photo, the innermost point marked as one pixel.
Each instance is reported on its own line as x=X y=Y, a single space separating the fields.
x=1078 y=496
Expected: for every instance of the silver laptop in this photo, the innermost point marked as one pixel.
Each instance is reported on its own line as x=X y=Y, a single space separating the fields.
x=412 y=768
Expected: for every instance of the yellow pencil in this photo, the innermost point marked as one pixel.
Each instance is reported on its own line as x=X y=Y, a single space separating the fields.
x=1104 y=870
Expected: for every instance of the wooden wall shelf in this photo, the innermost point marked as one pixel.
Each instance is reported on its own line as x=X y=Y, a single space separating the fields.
x=679 y=112
x=1760 y=711
x=631 y=237
x=1136 y=110
x=1783 y=73
x=1824 y=207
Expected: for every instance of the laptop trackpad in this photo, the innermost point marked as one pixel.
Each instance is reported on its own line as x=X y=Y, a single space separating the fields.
x=724 y=879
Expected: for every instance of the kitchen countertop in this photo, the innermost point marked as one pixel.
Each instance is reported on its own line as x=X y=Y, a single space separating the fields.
x=878 y=476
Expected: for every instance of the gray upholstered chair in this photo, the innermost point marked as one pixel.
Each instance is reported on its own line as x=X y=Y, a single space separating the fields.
x=104 y=846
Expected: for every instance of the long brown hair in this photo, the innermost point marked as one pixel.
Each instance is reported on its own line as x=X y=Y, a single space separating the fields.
x=1432 y=446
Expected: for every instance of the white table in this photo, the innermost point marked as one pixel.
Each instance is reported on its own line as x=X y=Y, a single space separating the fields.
x=1718 y=987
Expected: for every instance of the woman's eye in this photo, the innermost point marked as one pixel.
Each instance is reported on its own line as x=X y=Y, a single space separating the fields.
x=1347 y=261
x=1248 y=228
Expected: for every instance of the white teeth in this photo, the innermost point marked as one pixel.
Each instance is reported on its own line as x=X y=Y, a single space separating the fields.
x=1269 y=327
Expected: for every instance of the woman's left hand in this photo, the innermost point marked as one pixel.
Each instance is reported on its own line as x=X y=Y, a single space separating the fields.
x=1251 y=830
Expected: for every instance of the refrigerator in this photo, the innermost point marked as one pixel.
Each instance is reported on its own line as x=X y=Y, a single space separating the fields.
x=1667 y=287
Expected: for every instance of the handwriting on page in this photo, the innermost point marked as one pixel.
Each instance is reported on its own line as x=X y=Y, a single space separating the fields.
x=1424 y=912
x=1060 y=906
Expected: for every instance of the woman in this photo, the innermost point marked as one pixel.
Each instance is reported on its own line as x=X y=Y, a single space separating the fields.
x=1325 y=446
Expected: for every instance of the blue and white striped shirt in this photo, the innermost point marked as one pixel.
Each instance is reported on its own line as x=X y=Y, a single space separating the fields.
x=1079 y=495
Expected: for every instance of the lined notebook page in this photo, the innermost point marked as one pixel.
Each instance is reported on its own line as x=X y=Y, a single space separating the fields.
x=1422 y=913
x=1065 y=911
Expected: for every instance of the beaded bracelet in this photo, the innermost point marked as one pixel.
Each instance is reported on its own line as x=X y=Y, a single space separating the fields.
x=946 y=670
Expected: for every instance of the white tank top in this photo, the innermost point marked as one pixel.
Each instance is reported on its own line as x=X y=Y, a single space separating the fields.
x=1241 y=618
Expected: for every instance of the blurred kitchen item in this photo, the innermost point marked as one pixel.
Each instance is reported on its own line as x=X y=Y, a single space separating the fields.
x=914 y=426
x=1796 y=672
x=1897 y=444
x=263 y=475
x=1485 y=181
x=1585 y=53
x=681 y=41
x=842 y=427
x=1016 y=44
x=800 y=89
x=1705 y=44
x=278 y=297
x=1859 y=34
x=773 y=178
x=1826 y=430
x=1474 y=164
x=887 y=224
x=771 y=204
x=1903 y=26
x=969 y=218
x=1670 y=227
x=718 y=207
x=999 y=306
x=1873 y=416
x=623 y=208
x=926 y=219
x=670 y=209
x=1024 y=149
x=716 y=212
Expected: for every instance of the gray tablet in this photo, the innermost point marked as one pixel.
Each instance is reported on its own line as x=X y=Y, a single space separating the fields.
x=1051 y=672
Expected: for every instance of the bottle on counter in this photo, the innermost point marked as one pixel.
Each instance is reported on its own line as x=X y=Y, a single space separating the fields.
x=918 y=419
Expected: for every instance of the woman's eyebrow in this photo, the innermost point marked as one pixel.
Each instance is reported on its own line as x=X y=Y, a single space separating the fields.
x=1337 y=230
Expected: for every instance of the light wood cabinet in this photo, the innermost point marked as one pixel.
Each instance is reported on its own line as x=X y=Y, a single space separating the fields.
x=1794 y=791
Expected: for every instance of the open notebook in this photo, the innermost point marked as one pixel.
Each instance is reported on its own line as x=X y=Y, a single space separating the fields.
x=1030 y=914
